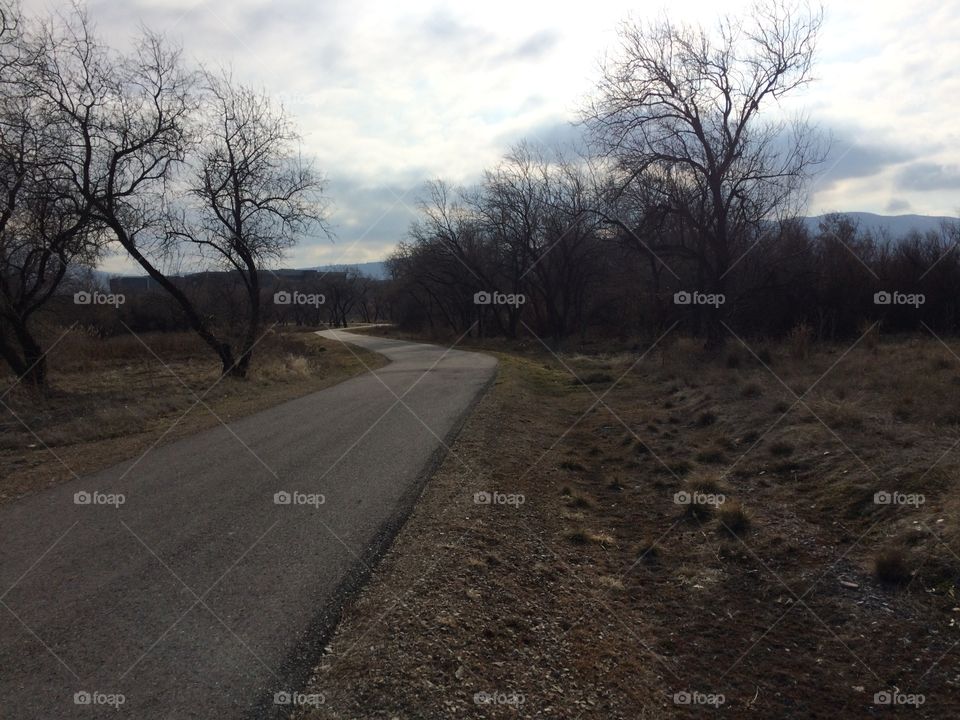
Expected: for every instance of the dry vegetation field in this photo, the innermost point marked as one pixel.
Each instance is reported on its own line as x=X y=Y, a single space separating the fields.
x=114 y=398
x=802 y=595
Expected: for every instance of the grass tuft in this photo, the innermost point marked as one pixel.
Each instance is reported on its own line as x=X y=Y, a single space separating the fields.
x=581 y=536
x=734 y=518
x=706 y=419
x=890 y=566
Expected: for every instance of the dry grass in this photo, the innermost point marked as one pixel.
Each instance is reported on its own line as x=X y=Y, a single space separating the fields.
x=110 y=399
x=584 y=537
x=799 y=341
x=734 y=518
x=580 y=500
x=706 y=602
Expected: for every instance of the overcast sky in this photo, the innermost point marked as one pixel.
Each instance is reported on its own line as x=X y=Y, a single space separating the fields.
x=391 y=94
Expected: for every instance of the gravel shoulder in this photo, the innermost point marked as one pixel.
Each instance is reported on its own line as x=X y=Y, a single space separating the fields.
x=584 y=588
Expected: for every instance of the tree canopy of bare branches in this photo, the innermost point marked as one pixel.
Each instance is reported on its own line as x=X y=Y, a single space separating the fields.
x=45 y=223
x=679 y=111
x=252 y=193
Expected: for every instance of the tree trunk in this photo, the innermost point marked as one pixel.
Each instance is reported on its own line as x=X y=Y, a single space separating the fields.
x=253 y=323
x=30 y=363
x=715 y=316
x=221 y=348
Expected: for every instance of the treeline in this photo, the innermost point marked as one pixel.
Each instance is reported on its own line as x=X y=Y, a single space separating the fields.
x=332 y=298
x=528 y=233
x=543 y=230
x=140 y=153
x=680 y=211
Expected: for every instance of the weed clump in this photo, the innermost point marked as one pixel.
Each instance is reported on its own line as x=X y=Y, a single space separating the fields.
x=700 y=497
x=734 y=518
x=890 y=567
x=706 y=419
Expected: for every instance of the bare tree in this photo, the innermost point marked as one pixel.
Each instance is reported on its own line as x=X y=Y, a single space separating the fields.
x=510 y=206
x=537 y=212
x=133 y=122
x=566 y=268
x=452 y=258
x=679 y=109
x=11 y=34
x=45 y=225
x=253 y=194
x=124 y=120
x=343 y=291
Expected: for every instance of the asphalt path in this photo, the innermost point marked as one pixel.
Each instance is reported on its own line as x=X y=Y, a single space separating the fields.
x=212 y=586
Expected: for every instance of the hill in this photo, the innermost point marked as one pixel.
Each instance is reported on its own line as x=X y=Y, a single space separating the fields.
x=376 y=270
x=894 y=226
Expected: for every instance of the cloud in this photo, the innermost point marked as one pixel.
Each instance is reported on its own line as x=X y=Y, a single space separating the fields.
x=388 y=95
x=849 y=158
x=445 y=32
x=922 y=176
x=552 y=133
x=444 y=35
x=534 y=47
x=897 y=205
x=367 y=220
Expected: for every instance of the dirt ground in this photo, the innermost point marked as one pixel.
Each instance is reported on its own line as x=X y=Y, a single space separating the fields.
x=583 y=586
x=112 y=399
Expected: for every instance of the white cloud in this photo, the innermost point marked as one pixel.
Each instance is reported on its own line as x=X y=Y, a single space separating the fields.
x=391 y=94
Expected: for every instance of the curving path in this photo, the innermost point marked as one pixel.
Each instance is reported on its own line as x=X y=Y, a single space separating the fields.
x=200 y=596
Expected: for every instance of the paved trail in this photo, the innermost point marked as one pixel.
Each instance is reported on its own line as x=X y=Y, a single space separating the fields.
x=200 y=596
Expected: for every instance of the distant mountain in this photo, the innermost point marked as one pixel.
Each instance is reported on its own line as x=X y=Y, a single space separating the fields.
x=376 y=270
x=895 y=226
